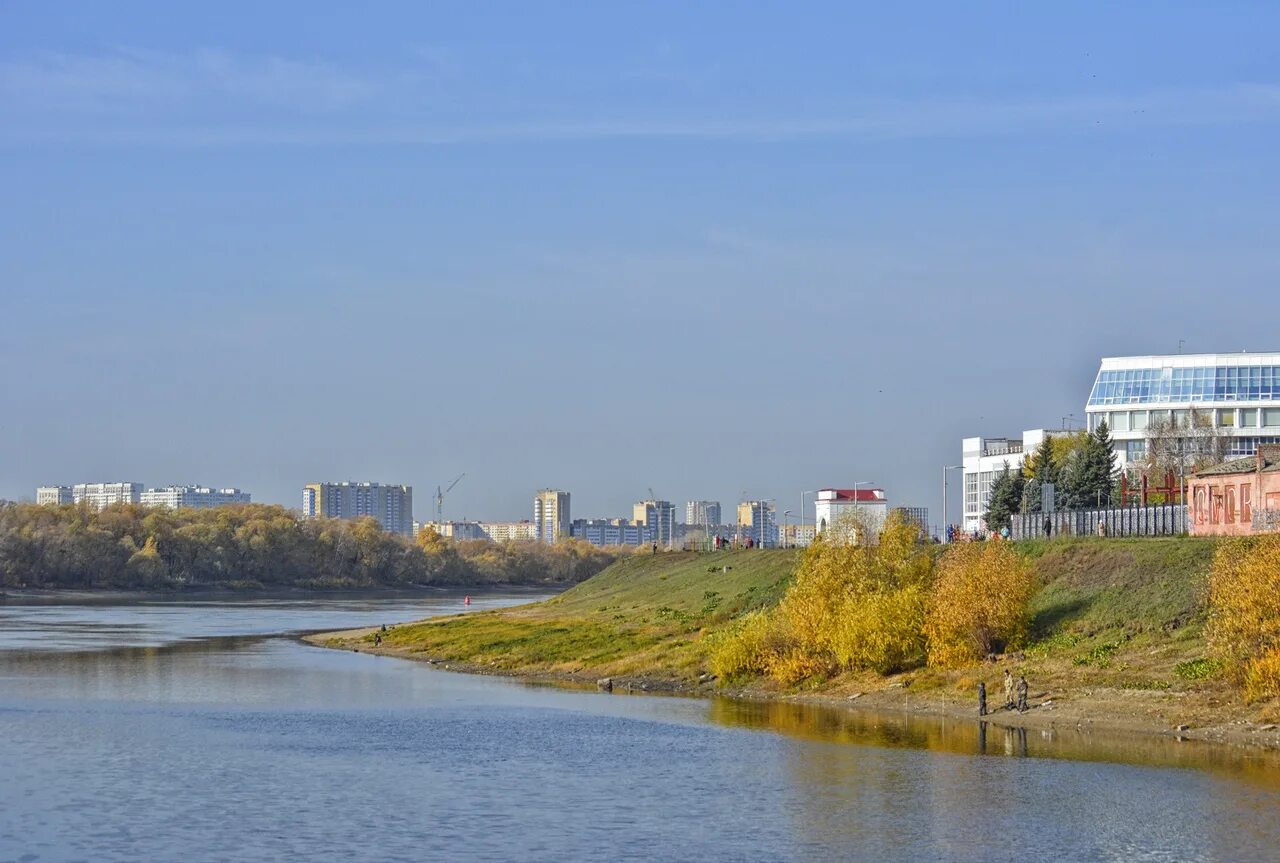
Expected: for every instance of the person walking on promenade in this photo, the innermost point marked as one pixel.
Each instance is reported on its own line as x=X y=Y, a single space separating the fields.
x=1008 y=690
x=1022 y=693
x=1048 y=526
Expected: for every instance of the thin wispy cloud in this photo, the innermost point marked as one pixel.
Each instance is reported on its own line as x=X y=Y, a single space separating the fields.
x=133 y=80
x=216 y=98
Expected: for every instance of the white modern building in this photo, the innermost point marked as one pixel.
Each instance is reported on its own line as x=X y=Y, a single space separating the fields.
x=390 y=505
x=551 y=514
x=985 y=459
x=54 y=495
x=103 y=494
x=193 y=497
x=837 y=510
x=1238 y=393
x=702 y=513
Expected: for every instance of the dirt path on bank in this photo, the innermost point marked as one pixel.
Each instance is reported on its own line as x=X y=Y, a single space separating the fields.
x=1193 y=715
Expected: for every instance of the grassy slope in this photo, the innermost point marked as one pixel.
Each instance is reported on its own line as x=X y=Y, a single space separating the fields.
x=648 y=614
x=1115 y=611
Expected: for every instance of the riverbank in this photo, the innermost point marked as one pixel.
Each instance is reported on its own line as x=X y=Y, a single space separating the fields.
x=1117 y=644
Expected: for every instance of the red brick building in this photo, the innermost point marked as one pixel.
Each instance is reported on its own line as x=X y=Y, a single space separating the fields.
x=1239 y=497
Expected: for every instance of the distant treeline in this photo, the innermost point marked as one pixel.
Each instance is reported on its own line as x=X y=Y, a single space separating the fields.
x=257 y=546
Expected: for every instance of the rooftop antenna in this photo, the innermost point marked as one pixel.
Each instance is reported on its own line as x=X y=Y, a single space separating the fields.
x=1180 y=341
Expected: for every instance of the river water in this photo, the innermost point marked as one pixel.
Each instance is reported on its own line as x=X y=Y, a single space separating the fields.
x=203 y=731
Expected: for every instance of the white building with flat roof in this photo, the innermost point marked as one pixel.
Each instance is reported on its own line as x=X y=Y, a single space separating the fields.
x=1238 y=393
x=54 y=495
x=193 y=497
x=984 y=460
x=103 y=494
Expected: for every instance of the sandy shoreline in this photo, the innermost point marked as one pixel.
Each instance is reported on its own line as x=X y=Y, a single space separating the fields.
x=1173 y=716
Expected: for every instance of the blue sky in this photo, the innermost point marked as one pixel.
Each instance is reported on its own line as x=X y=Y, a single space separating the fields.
x=704 y=248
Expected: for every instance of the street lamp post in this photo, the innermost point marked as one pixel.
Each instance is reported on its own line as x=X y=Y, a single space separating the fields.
x=815 y=524
x=784 y=528
x=944 y=497
x=857 y=523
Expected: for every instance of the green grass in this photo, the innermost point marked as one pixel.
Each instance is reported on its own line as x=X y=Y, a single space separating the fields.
x=647 y=614
x=1128 y=609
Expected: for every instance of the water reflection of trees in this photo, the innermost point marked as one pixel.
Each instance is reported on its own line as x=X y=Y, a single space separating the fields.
x=886 y=793
x=897 y=730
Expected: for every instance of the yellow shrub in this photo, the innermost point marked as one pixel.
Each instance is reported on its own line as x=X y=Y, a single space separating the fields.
x=880 y=631
x=981 y=596
x=1262 y=677
x=1244 y=608
x=745 y=649
x=850 y=607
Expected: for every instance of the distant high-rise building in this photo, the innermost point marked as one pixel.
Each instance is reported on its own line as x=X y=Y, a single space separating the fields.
x=917 y=515
x=658 y=514
x=702 y=513
x=104 y=494
x=758 y=520
x=551 y=514
x=53 y=495
x=390 y=505
x=193 y=497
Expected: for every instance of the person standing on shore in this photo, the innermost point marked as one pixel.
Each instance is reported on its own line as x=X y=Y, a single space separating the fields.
x=1008 y=690
x=1022 y=693
x=982 y=698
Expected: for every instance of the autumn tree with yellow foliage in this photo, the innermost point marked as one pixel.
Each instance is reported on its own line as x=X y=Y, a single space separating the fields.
x=1244 y=613
x=980 y=601
x=851 y=607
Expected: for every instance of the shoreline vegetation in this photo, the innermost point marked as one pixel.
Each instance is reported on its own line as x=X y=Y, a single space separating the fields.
x=258 y=547
x=1118 y=639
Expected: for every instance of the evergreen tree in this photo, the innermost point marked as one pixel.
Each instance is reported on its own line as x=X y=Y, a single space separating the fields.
x=1093 y=480
x=1006 y=498
x=1042 y=468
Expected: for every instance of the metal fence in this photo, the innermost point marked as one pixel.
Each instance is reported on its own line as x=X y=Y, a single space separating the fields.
x=1266 y=520
x=1166 y=520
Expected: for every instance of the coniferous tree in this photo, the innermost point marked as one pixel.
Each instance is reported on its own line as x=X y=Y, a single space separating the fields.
x=1093 y=481
x=1042 y=469
x=1005 y=500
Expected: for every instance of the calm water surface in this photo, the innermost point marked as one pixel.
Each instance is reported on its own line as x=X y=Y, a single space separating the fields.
x=199 y=731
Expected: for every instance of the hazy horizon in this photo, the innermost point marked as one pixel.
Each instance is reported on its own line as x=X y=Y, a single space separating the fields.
x=705 y=250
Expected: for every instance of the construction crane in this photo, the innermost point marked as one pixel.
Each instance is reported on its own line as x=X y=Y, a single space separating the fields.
x=440 y=498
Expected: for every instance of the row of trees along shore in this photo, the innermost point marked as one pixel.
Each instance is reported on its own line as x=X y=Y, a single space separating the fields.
x=1080 y=465
x=258 y=546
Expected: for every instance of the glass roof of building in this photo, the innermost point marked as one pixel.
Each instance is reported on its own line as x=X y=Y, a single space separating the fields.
x=1188 y=385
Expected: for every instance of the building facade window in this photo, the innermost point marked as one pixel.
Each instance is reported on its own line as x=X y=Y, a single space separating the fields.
x=1246 y=503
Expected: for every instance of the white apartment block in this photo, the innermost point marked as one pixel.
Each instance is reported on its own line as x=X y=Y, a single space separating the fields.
x=511 y=531
x=54 y=495
x=551 y=514
x=390 y=505
x=702 y=513
x=103 y=494
x=193 y=497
